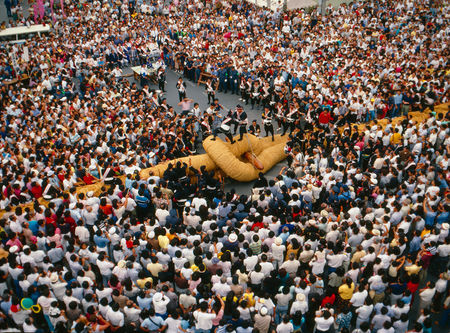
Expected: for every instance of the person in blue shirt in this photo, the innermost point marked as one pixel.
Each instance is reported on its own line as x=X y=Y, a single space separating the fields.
x=234 y=81
x=143 y=301
x=100 y=240
x=143 y=204
x=287 y=225
x=289 y=178
x=153 y=322
x=34 y=226
x=295 y=81
x=414 y=245
x=443 y=215
x=397 y=99
x=430 y=213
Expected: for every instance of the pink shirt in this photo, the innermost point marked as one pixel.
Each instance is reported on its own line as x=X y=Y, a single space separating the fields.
x=16 y=242
x=193 y=284
x=219 y=316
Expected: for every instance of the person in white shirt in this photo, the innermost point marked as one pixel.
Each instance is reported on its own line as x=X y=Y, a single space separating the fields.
x=161 y=214
x=160 y=302
x=426 y=295
x=285 y=326
x=401 y=326
x=105 y=267
x=173 y=322
x=291 y=266
x=359 y=297
x=198 y=201
x=278 y=251
x=300 y=304
x=324 y=321
x=82 y=232
x=115 y=317
x=221 y=288
x=379 y=319
x=131 y=312
x=203 y=319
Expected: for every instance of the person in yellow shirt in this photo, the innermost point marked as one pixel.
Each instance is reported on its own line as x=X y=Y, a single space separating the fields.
x=358 y=254
x=143 y=280
x=154 y=267
x=163 y=241
x=411 y=268
x=345 y=292
x=346 y=289
x=249 y=297
x=396 y=138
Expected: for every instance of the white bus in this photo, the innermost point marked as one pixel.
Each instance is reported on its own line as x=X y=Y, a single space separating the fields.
x=20 y=34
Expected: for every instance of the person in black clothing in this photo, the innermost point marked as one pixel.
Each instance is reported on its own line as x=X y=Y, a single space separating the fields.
x=255 y=94
x=261 y=182
x=243 y=121
x=210 y=91
x=161 y=79
x=234 y=120
x=225 y=128
x=181 y=87
x=254 y=128
x=267 y=121
x=289 y=121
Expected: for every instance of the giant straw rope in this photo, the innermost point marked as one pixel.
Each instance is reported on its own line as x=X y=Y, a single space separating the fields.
x=229 y=158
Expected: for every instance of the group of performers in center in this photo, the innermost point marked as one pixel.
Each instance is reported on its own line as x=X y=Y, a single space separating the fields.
x=297 y=113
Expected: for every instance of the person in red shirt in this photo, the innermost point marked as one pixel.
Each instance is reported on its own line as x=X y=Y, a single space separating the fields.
x=36 y=190
x=325 y=118
x=88 y=179
x=413 y=285
x=50 y=218
x=70 y=220
x=329 y=298
x=105 y=207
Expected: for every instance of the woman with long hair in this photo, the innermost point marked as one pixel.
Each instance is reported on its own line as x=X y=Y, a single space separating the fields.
x=229 y=305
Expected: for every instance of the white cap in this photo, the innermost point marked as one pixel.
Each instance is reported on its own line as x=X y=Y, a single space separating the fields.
x=232 y=237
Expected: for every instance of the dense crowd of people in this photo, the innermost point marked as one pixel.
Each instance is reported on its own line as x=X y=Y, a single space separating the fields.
x=351 y=236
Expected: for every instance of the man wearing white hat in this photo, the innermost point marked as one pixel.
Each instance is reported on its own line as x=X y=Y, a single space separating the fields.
x=278 y=251
x=160 y=302
x=262 y=320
